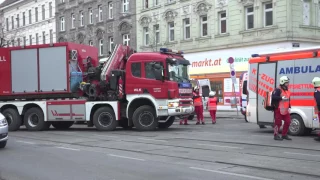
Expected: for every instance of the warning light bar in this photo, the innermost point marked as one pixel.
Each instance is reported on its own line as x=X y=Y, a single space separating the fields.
x=166 y=50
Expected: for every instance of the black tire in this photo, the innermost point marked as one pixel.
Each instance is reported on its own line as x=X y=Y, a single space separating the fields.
x=144 y=118
x=191 y=117
x=104 y=119
x=124 y=124
x=3 y=144
x=167 y=124
x=14 y=119
x=34 y=120
x=297 y=127
x=62 y=125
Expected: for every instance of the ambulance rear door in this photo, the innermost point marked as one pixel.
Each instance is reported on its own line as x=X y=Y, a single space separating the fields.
x=267 y=75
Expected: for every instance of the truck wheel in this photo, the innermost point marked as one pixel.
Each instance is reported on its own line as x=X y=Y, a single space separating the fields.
x=124 y=124
x=144 y=118
x=191 y=117
x=3 y=144
x=104 y=119
x=167 y=124
x=297 y=127
x=34 y=120
x=62 y=125
x=14 y=119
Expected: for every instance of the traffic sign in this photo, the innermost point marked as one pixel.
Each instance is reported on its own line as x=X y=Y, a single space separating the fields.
x=232 y=70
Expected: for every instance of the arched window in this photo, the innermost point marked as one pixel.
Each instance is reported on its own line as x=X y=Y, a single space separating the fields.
x=101 y=47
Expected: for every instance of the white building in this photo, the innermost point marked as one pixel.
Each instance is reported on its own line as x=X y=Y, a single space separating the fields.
x=28 y=22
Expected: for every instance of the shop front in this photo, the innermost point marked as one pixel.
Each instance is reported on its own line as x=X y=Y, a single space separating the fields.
x=214 y=65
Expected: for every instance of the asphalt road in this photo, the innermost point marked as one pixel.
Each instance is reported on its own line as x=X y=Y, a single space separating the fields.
x=228 y=150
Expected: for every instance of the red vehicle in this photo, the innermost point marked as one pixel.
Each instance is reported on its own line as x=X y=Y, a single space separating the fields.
x=58 y=84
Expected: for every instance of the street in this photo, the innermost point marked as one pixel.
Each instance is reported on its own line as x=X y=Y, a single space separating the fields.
x=229 y=150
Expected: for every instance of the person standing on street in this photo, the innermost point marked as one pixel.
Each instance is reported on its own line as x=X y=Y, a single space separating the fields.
x=316 y=84
x=281 y=101
x=212 y=106
x=197 y=101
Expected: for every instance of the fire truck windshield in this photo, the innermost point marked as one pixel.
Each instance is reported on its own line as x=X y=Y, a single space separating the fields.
x=178 y=72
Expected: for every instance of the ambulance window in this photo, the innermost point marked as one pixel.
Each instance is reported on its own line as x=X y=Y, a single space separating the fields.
x=136 y=69
x=244 y=88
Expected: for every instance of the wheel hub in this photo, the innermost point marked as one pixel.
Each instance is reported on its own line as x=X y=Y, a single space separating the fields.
x=294 y=126
x=105 y=119
x=146 y=119
x=9 y=119
x=33 y=120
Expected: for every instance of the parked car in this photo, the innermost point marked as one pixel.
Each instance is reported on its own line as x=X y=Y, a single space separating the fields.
x=4 y=128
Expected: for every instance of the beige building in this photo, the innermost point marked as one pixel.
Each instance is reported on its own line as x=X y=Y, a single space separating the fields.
x=211 y=31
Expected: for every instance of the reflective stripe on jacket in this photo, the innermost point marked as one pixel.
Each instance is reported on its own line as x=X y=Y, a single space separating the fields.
x=284 y=105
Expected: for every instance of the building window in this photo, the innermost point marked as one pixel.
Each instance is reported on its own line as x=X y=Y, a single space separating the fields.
x=126 y=39
x=24 y=41
x=7 y=24
x=90 y=16
x=43 y=37
x=110 y=10
x=12 y=22
x=23 y=19
x=73 y=20
x=146 y=36
x=155 y=2
x=157 y=33
x=268 y=14
x=36 y=14
x=18 y=20
x=81 y=19
x=101 y=47
x=249 y=18
x=204 y=26
x=223 y=22
x=171 y=31
x=111 y=44
x=30 y=39
x=51 y=36
x=100 y=13
x=30 y=17
x=50 y=9
x=62 y=25
x=306 y=13
x=186 y=28
x=12 y=43
x=136 y=69
x=90 y=43
x=145 y=4
x=125 y=5
x=37 y=38
x=43 y=12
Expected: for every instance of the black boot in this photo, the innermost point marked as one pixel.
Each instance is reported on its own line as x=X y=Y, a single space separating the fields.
x=277 y=138
x=317 y=138
x=286 y=137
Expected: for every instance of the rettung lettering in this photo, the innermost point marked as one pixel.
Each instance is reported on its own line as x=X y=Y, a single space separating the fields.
x=300 y=70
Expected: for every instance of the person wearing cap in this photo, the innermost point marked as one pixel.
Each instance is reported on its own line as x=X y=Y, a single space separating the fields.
x=281 y=101
x=316 y=85
x=212 y=106
x=197 y=101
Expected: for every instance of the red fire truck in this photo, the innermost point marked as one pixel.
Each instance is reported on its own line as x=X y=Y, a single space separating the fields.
x=58 y=84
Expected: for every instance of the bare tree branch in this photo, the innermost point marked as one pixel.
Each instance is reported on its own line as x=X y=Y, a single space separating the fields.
x=7 y=37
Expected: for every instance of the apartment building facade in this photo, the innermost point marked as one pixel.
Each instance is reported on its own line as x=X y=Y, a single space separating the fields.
x=28 y=22
x=211 y=31
x=97 y=23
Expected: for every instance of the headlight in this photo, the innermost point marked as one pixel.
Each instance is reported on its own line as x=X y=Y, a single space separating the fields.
x=173 y=104
x=3 y=122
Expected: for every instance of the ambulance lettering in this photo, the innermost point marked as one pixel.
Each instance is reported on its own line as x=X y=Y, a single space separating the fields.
x=300 y=69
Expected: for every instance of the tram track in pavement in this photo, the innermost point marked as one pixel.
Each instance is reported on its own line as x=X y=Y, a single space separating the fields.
x=149 y=152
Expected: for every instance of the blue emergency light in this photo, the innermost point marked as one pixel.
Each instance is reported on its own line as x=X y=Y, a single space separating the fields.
x=255 y=55
x=166 y=50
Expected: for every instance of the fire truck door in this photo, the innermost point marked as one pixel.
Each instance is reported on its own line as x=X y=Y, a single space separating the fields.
x=266 y=80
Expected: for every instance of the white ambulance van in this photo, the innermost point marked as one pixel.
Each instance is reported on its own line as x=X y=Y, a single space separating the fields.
x=265 y=69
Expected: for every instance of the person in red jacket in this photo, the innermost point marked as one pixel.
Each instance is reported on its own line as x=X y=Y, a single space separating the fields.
x=281 y=102
x=316 y=84
x=197 y=101
x=212 y=106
